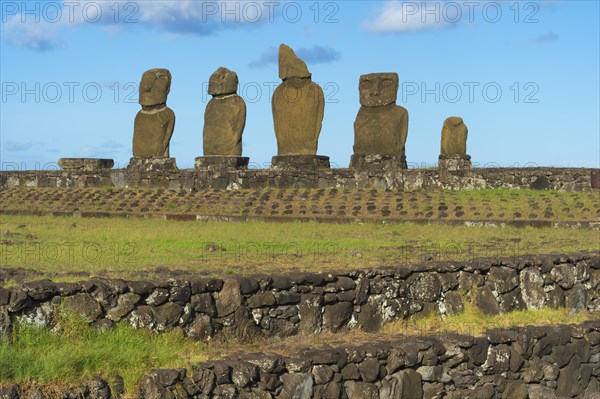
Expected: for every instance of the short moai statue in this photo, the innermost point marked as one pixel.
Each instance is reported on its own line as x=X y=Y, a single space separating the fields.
x=381 y=126
x=298 y=106
x=453 y=154
x=224 y=122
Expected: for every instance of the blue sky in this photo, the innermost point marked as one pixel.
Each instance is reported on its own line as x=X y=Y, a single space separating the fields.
x=523 y=75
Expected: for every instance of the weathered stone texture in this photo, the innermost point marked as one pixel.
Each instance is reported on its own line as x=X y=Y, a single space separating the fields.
x=454 y=138
x=224 y=117
x=381 y=126
x=298 y=106
x=154 y=124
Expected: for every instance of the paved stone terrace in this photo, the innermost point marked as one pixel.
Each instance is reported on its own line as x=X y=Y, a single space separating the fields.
x=539 y=208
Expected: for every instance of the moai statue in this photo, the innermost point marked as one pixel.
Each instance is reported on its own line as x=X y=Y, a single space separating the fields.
x=154 y=124
x=224 y=122
x=225 y=115
x=453 y=154
x=298 y=107
x=381 y=126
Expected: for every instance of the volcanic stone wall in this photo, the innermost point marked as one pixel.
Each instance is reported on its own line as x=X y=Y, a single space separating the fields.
x=534 y=362
x=519 y=363
x=568 y=179
x=246 y=308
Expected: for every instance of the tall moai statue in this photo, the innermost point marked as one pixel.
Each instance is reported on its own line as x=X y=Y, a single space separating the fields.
x=453 y=154
x=224 y=122
x=381 y=126
x=154 y=124
x=298 y=107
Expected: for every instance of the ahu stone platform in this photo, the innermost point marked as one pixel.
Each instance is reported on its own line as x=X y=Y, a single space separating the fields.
x=397 y=179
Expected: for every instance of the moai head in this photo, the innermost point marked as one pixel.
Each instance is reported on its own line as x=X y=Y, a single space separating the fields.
x=378 y=89
x=154 y=87
x=222 y=82
x=290 y=66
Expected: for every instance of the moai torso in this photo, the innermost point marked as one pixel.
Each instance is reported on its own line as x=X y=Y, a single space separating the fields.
x=381 y=130
x=154 y=124
x=381 y=126
x=298 y=106
x=224 y=117
x=152 y=132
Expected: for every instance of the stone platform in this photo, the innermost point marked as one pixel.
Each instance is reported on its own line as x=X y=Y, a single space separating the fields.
x=300 y=162
x=154 y=164
x=85 y=164
x=454 y=164
x=378 y=163
x=218 y=163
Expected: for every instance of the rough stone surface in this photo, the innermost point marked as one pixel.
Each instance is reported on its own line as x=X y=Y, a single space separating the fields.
x=288 y=163
x=361 y=390
x=230 y=298
x=83 y=305
x=85 y=164
x=486 y=301
x=222 y=82
x=374 y=176
x=454 y=138
x=381 y=126
x=298 y=106
x=378 y=89
x=224 y=117
x=403 y=384
x=5 y=325
x=155 y=123
x=296 y=386
x=532 y=283
x=290 y=65
x=220 y=164
x=280 y=306
x=337 y=316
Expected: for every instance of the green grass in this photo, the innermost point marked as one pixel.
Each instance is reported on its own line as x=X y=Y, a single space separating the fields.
x=472 y=321
x=78 y=352
x=59 y=247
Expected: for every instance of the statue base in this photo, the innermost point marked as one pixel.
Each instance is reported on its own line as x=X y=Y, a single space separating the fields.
x=596 y=179
x=221 y=162
x=300 y=162
x=454 y=164
x=378 y=162
x=152 y=164
x=85 y=164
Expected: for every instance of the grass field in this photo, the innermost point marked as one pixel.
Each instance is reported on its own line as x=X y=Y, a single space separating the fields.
x=72 y=248
x=68 y=248
x=40 y=357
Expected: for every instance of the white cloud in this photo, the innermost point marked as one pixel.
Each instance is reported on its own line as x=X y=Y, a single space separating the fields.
x=397 y=16
x=31 y=35
x=410 y=16
x=41 y=28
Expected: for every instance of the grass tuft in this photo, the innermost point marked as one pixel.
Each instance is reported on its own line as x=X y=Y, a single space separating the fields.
x=73 y=351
